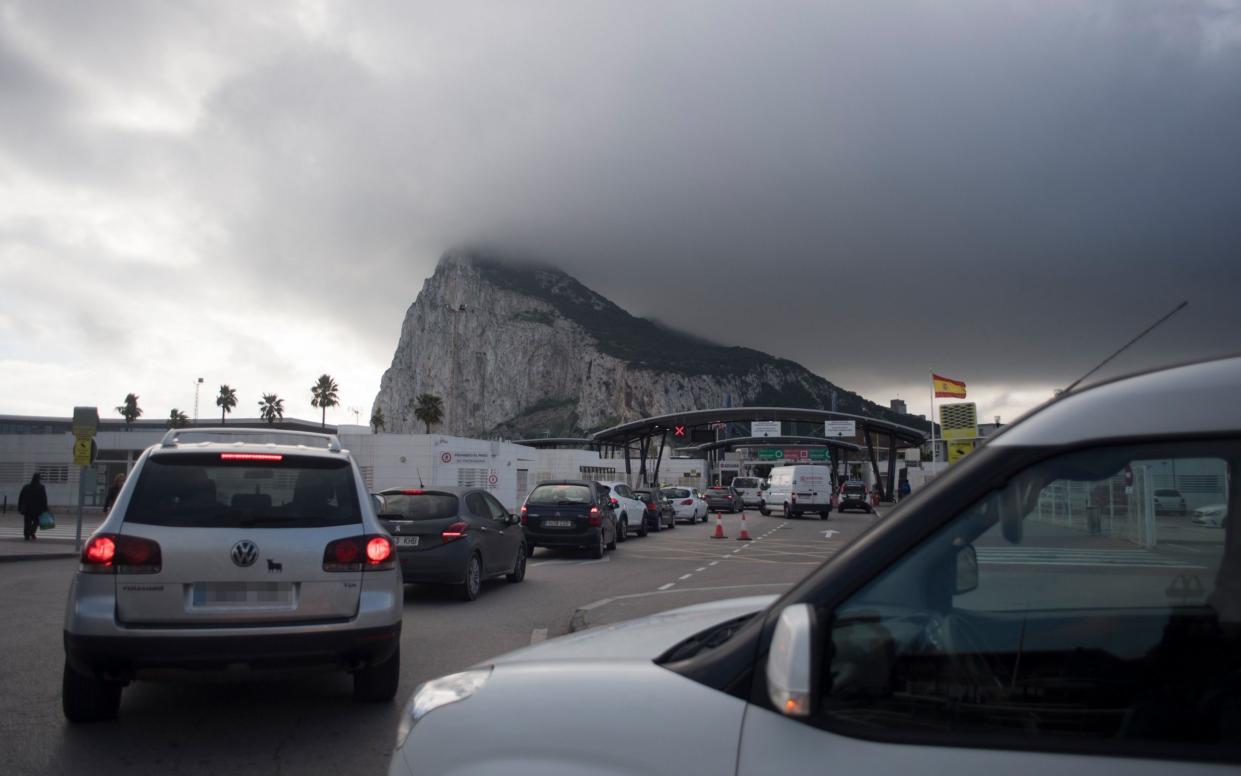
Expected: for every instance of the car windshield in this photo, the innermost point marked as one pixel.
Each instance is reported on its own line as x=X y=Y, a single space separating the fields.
x=559 y=494
x=208 y=490
x=745 y=482
x=677 y=493
x=419 y=506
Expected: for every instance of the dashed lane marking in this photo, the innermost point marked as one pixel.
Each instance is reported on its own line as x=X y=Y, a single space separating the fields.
x=665 y=587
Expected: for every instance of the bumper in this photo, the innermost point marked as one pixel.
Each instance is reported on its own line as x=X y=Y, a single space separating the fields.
x=854 y=504
x=443 y=564
x=548 y=539
x=124 y=656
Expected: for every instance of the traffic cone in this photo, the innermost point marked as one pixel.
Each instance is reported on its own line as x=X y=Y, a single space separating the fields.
x=719 y=527
x=744 y=536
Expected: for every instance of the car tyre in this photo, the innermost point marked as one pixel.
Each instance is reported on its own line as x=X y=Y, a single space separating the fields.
x=597 y=550
x=642 y=526
x=379 y=682
x=763 y=510
x=672 y=523
x=473 y=578
x=529 y=550
x=622 y=530
x=519 y=566
x=88 y=699
x=824 y=515
x=659 y=523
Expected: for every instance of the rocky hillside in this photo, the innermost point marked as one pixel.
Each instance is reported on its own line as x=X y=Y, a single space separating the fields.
x=521 y=350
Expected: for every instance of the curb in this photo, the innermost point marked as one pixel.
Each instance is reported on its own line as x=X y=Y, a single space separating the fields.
x=38 y=556
x=581 y=615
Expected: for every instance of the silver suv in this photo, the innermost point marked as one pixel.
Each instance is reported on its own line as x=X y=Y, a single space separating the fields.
x=235 y=549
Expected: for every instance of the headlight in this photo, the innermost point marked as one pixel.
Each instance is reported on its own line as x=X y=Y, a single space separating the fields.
x=438 y=692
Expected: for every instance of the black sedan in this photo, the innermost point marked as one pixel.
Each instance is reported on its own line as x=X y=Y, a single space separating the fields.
x=659 y=512
x=456 y=536
x=723 y=498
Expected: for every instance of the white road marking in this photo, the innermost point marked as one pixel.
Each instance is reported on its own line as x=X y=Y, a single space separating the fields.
x=684 y=576
x=537 y=635
x=665 y=587
x=704 y=568
x=829 y=533
x=712 y=563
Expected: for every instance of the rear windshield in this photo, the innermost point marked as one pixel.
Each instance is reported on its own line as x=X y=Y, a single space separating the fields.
x=1166 y=492
x=745 y=482
x=204 y=491
x=676 y=493
x=642 y=494
x=855 y=490
x=419 y=506
x=560 y=494
x=717 y=487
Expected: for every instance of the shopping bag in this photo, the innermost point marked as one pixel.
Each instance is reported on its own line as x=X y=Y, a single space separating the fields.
x=46 y=521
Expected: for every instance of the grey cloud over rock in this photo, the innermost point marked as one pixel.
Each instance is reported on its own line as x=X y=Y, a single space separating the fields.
x=1003 y=191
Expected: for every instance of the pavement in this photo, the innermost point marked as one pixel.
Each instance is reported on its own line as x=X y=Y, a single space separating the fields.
x=51 y=544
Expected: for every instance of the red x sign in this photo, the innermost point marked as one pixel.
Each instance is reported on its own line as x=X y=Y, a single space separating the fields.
x=678 y=431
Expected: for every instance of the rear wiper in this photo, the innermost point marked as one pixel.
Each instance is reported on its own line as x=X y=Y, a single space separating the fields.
x=251 y=522
x=570 y=503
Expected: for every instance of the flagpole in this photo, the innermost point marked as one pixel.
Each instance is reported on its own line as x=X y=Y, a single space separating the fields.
x=934 y=454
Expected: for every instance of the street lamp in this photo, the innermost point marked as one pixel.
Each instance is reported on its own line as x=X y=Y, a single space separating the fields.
x=198 y=384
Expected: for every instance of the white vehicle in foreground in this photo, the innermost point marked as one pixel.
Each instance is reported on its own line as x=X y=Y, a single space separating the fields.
x=798 y=489
x=687 y=504
x=630 y=510
x=970 y=632
x=245 y=549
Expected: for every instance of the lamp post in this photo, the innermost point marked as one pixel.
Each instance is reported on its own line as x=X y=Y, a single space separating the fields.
x=197 y=384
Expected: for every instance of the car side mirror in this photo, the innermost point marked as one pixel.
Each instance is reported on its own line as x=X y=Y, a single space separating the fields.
x=790 y=661
x=967 y=569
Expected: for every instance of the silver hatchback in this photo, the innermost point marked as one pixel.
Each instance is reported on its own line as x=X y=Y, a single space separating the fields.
x=234 y=550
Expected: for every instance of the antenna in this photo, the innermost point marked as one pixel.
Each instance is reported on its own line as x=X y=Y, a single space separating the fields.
x=1148 y=330
x=419 y=473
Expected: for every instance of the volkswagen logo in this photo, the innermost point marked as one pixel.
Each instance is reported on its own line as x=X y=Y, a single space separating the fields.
x=245 y=552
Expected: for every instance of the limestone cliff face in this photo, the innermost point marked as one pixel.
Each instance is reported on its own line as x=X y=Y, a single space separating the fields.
x=518 y=350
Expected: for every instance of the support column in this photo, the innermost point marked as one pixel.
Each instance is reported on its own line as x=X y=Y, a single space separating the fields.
x=660 y=457
x=874 y=465
x=628 y=470
x=892 y=467
x=644 y=447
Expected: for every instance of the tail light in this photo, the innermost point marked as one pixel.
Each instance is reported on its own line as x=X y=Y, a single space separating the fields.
x=413 y=492
x=594 y=516
x=689 y=502
x=793 y=498
x=651 y=505
x=369 y=552
x=119 y=554
x=615 y=503
x=523 y=514
x=453 y=532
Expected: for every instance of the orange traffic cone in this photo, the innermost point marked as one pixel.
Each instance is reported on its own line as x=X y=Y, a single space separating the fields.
x=719 y=527
x=744 y=536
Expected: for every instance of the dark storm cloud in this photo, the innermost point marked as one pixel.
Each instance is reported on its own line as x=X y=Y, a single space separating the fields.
x=1002 y=191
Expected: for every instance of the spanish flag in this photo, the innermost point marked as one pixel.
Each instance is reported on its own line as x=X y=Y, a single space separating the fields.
x=945 y=386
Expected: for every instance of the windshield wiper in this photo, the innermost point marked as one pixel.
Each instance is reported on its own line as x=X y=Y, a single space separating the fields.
x=708 y=639
x=251 y=522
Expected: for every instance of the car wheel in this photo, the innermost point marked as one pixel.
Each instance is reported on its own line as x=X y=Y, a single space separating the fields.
x=473 y=578
x=824 y=515
x=622 y=530
x=87 y=699
x=529 y=550
x=596 y=551
x=659 y=523
x=672 y=523
x=519 y=566
x=763 y=510
x=378 y=682
x=642 y=526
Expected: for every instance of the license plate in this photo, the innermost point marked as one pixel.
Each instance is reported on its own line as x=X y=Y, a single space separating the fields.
x=406 y=541
x=557 y=523
x=242 y=594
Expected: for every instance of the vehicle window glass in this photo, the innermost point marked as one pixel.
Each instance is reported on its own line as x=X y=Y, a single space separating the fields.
x=745 y=482
x=204 y=491
x=1064 y=606
x=623 y=490
x=557 y=494
x=495 y=508
x=421 y=506
x=676 y=493
x=477 y=506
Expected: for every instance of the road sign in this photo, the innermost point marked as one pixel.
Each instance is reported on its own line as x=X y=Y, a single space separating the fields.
x=957 y=450
x=765 y=428
x=958 y=421
x=85 y=421
x=770 y=454
x=818 y=454
x=81 y=451
x=840 y=428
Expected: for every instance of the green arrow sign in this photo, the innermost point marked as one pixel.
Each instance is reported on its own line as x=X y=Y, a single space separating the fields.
x=770 y=454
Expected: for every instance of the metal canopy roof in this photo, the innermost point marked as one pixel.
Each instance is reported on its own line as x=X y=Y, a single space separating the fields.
x=622 y=434
x=780 y=441
x=554 y=442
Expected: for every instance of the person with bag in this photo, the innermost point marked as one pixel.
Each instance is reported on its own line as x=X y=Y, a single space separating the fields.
x=31 y=503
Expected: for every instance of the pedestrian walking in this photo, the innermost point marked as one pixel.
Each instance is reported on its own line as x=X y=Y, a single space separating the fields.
x=904 y=489
x=31 y=502
x=113 y=491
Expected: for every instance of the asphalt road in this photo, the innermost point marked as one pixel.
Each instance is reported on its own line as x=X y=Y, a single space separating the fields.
x=310 y=725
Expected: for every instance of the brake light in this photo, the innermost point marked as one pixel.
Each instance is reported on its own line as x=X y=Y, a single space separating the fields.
x=650 y=505
x=369 y=552
x=615 y=503
x=523 y=514
x=594 y=516
x=689 y=502
x=269 y=457
x=453 y=532
x=119 y=554
x=412 y=492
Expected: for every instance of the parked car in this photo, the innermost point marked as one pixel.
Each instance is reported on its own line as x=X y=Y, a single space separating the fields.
x=569 y=514
x=659 y=512
x=1212 y=516
x=932 y=643
x=216 y=557
x=854 y=495
x=687 y=505
x=722 y=498
x=629 y=509
x=1169 y=501
x=797 y=489
x=749 y=489
x=456 y=536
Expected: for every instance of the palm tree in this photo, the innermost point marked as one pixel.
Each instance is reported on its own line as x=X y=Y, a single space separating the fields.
x=177 y=419
x=226 y=401
x=271 y=408
x=377 y=420
x=323 y=395
x=130 y=410
x=429 y=409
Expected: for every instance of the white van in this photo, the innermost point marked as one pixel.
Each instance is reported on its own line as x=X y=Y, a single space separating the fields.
x=749 y=489
x=799 y=489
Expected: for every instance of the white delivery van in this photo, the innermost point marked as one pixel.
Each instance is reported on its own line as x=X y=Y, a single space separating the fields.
x=749 y=490
x=798 y=489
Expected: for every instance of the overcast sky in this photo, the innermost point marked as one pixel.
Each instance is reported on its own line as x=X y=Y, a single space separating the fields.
x=254 y=193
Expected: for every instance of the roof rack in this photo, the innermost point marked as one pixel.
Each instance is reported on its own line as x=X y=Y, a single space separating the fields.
x=271 y=436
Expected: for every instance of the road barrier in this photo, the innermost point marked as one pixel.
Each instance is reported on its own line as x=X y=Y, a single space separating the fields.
x=719 y=527
x=744 y=536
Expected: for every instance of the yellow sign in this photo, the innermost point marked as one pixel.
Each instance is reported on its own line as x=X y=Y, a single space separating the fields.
x=957 y=450
x=81 y=451
x=958 y=421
